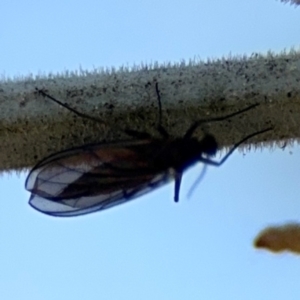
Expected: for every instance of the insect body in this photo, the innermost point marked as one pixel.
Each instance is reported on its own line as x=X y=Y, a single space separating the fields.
x=94 y=177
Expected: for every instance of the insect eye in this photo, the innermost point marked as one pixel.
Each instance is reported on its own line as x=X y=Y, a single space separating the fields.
x=209 y=145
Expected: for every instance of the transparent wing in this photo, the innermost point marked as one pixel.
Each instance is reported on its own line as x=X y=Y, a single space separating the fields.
x=93 y=178
x=88 y=204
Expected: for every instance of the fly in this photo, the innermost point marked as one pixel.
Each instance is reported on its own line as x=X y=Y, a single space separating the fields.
x=95 y=177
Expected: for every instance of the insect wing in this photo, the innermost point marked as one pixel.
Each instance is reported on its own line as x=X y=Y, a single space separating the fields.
x=89 y=204
x=91 y=178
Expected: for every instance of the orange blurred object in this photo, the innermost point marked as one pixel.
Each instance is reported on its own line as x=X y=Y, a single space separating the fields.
x=280 y=238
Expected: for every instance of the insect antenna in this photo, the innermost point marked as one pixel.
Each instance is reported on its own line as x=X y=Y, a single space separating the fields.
x=208 y=161
x=235 y=146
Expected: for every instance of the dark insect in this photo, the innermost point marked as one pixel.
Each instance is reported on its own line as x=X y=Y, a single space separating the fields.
x=94 y=177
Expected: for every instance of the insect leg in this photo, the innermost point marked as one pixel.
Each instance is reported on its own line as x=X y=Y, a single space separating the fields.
x=163 y=132
x=143 y=135
x=178 y=176
x=70 y=108
x=217 y=164
x=196 y=124
x=133 y=133
x=197 y=181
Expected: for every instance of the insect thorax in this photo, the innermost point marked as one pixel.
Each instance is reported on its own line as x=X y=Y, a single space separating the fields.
x=181 y=153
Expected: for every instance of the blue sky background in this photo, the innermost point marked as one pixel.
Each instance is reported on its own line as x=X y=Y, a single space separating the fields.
x=151 y=248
